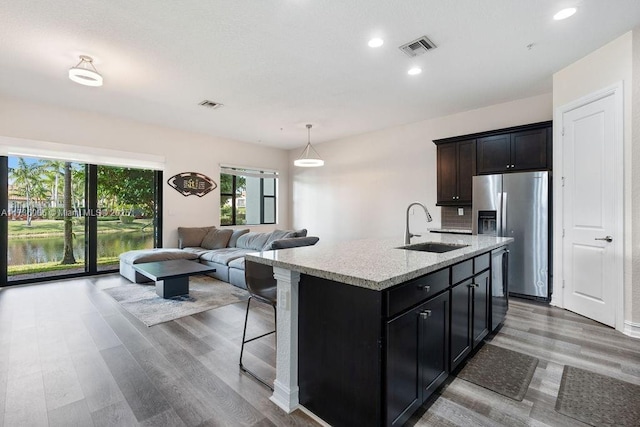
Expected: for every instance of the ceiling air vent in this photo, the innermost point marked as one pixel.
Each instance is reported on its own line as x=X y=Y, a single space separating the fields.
x=210 y=104
x=417 y=47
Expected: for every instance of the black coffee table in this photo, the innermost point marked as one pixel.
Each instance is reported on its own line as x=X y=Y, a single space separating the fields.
x=171 y=277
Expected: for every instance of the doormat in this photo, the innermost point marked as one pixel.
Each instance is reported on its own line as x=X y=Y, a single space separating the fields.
x=598 y=400
x=503 y=371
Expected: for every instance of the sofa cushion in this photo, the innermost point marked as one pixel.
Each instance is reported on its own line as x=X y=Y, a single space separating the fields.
x=216 y=239
x=254 y=241
x=234 y=237
x=196 y=250
x=237 y=263
x=225 y=255
x=152 y=255
x=277 y=235
x=192 y=236
x=294 y=242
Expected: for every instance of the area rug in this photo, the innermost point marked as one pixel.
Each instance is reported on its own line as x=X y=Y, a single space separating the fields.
x=503 y=371
x=598 y=400
x=205 y=293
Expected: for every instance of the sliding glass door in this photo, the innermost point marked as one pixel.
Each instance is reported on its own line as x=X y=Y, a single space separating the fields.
x=45 y=212
x=126 y=206
x=66 y=219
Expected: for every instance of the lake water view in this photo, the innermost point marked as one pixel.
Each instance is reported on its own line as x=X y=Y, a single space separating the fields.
x=37 y=250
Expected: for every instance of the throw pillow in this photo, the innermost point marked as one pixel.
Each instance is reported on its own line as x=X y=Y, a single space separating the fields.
x=216 y=239
x=295 y=242
x=189 y=237
x=236 y=235
x=277 y=235
x=301 y=233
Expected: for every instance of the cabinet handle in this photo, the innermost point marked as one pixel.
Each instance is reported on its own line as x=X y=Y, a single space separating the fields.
x=425 y=314
x=513 y=166
x=473 y=285
x=508 y=166
x=425 y=288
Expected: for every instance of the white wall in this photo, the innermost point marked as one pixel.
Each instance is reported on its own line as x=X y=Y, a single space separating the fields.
x=602 y=68
x=182 y=152
x=368 y=180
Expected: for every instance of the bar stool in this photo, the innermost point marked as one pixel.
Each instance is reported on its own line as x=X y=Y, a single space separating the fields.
x=262 y=287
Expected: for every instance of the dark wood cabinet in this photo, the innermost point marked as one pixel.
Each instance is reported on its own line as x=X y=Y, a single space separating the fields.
x=494 y=154
x=433 y=343
x=461 y=321
x=519 y=148
x=456 y=167
x=372 y=358
x=481 y=308
x=515 y=151
x=417 y=357
x=529 y=150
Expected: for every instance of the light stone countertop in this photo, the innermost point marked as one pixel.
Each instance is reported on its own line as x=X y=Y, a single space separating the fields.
x=375 y=263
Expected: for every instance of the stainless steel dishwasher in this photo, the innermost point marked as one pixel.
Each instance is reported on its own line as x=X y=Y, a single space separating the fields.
x=499 y=286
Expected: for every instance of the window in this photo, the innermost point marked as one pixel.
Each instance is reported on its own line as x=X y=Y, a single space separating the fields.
x=247 y=196
x=66 y=219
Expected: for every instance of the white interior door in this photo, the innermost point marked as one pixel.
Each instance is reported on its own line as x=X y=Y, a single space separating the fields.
x=592 y=211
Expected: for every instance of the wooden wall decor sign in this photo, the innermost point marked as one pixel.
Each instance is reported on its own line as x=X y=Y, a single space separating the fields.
x=192 y=183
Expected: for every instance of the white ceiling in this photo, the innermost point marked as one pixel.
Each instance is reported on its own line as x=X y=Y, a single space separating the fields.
x=279 y=64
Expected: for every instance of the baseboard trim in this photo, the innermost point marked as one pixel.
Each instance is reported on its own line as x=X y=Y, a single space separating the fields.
x=313 y=416
x=284 y=397
x=631 y=329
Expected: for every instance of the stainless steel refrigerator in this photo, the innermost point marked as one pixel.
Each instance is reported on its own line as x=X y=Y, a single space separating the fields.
x=517 y=205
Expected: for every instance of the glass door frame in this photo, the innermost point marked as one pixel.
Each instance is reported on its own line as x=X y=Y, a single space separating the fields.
x=90 y=229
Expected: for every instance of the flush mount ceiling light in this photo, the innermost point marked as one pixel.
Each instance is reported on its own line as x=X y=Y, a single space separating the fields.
x=414 y=71
x=564 y=13
x=309 y=157
x=85 y=73
x=376 y=42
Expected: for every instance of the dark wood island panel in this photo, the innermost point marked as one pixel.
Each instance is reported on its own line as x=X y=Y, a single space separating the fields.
x=373 y=357
x=339 y=351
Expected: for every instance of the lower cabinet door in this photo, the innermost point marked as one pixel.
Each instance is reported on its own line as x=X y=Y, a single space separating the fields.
x=403 y=386
x=434 y=343
x=461 y=342
x=417 y=357
x=481 y=300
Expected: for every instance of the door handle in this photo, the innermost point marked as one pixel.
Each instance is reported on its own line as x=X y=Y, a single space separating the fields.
x=608 y=239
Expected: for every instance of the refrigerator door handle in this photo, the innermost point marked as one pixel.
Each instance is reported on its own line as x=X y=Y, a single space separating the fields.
x=503 y=223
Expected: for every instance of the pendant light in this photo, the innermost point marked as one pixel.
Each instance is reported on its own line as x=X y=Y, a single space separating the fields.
x=309 y=157
x=85 y=72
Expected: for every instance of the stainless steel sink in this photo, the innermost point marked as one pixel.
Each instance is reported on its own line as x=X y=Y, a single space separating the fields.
x=436 y=247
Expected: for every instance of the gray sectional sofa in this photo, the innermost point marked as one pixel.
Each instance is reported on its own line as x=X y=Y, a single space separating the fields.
x=223 y=249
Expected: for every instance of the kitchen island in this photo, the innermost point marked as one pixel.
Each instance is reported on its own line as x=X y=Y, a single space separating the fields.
x=367 y=331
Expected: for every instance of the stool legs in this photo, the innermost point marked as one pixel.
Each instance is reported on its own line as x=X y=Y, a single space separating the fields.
x=244 y=341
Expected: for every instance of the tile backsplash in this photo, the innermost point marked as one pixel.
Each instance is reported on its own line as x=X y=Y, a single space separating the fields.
x=451 y=219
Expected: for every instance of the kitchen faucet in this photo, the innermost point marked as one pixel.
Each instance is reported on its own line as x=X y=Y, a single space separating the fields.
x=407 y=234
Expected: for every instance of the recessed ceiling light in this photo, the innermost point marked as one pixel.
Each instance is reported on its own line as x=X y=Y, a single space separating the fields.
x=414 y=71
x=564 y=13
x=376 y=42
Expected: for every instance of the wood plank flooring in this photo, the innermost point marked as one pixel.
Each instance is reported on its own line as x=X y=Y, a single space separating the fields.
x=71 y=356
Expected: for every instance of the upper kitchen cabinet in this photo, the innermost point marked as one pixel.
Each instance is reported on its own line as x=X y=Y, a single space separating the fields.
x=456 y=167
x=520 y=148
x=528 y=148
